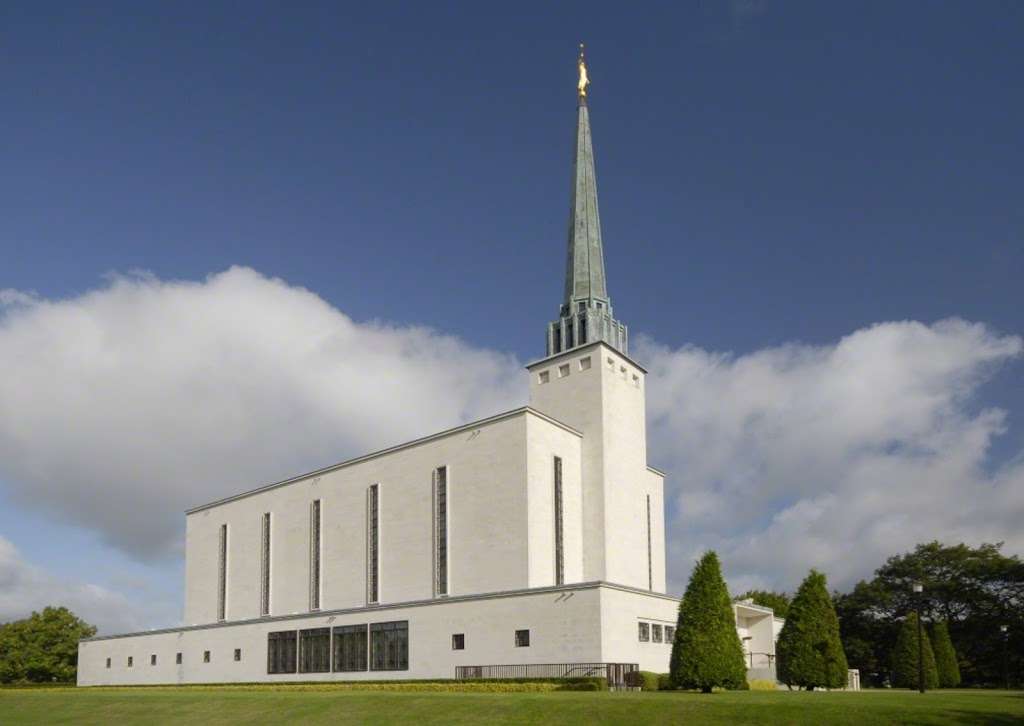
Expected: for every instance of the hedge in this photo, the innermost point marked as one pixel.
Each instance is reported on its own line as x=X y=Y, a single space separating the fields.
x=644 y=680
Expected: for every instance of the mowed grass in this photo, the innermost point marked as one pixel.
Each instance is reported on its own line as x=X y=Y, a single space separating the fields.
x=224 y=705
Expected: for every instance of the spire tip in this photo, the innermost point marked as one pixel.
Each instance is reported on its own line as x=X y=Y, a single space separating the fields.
x=584 y=81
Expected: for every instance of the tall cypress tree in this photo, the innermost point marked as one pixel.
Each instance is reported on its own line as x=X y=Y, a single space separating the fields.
x=945 y=656
x=707 y=650
x=904 y=657
x=809 y=650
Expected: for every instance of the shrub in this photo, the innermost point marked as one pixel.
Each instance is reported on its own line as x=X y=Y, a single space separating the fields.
x=707 y=651
x=904 y=657
x=646 y=680
x=809 y=649
x=761 y=684
x=945 y=656
x=664 y=682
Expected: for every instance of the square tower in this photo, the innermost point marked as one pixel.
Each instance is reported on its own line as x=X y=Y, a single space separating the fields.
x=599 y=391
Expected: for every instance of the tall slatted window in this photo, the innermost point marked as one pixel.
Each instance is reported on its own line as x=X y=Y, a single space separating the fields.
x=315 y=650
x=350 y=648
x=559 y=552
x=373 y=544
x=282 y=651
x=650 y=569
x=389 y=646
x=314 y=556
x=440 y=531
x=222 y=573
x=265 y=564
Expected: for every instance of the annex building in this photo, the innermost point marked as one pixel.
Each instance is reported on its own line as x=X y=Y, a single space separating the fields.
x=528 y=543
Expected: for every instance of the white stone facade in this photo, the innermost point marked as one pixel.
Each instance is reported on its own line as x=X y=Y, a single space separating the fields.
x=502 y=544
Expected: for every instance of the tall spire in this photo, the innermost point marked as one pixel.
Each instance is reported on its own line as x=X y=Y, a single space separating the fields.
x=586 y=312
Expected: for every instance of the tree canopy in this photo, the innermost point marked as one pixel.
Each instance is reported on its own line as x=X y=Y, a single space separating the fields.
x=777 y=601
x=42 y=648
x=810 y=653
x=974 y=590
x=707 y=652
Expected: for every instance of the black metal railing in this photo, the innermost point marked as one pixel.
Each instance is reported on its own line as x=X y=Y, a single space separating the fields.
x=760 y=660
x=614 y=672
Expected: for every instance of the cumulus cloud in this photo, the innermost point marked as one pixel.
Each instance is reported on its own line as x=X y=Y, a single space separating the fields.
x=831 y=456
x=24 y=588
x=124 y=406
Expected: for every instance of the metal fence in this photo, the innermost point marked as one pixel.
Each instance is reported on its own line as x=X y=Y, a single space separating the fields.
x=614 y=672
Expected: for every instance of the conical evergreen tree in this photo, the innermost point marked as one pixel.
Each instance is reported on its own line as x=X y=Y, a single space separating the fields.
x=809 y=650
x=945 y=656
x=707 y=651
x=904 y=657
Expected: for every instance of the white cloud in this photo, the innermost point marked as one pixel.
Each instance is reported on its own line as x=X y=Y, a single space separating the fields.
x=124 y=406
x=834 y=456
x=24 y=588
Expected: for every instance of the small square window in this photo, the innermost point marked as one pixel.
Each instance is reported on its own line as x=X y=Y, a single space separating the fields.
x=152 y=659
x=206 y=656
x=563 y=370
x=622 y=372
x=585 y=363
x=611 y=363
x=544 y=377
x=177 y=659
x=130 y=661
x=636 y=381
x=670 y=634
x=645 y=633
x=238 y=654
x=522 y=638
x=108 y=662
x=459 y=641
x=656 y=633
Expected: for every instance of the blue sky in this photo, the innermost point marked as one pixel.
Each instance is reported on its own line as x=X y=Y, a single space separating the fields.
x=771 y=175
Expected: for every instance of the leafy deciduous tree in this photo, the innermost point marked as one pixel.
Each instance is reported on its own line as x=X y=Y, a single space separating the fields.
x=42 y=648
x=777 y=601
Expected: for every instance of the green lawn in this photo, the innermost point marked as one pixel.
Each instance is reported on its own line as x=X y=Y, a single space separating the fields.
x=205 y=706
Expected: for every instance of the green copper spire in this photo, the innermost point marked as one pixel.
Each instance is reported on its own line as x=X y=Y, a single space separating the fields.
x=586 y=312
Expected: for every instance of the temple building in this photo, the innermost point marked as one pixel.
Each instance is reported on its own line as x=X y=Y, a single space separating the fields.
x=529 y=543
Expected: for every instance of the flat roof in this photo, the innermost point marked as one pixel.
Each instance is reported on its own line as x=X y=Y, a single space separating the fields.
x=573 y=586
x=390 y=450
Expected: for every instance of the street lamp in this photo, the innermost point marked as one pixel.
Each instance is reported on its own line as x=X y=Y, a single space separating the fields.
x=918 y=589
x=1004 y=629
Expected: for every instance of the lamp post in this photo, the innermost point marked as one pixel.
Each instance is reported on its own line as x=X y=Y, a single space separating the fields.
x=918 y=589
x=1006 y=673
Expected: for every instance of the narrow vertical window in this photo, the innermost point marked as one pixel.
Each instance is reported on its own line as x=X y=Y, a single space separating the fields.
x=373 y=544
x=265 y=564
x=583 y=330
x=314 y=556
x=559 y=555
x=650 y=571
x=222 y=574
x=440 y=531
